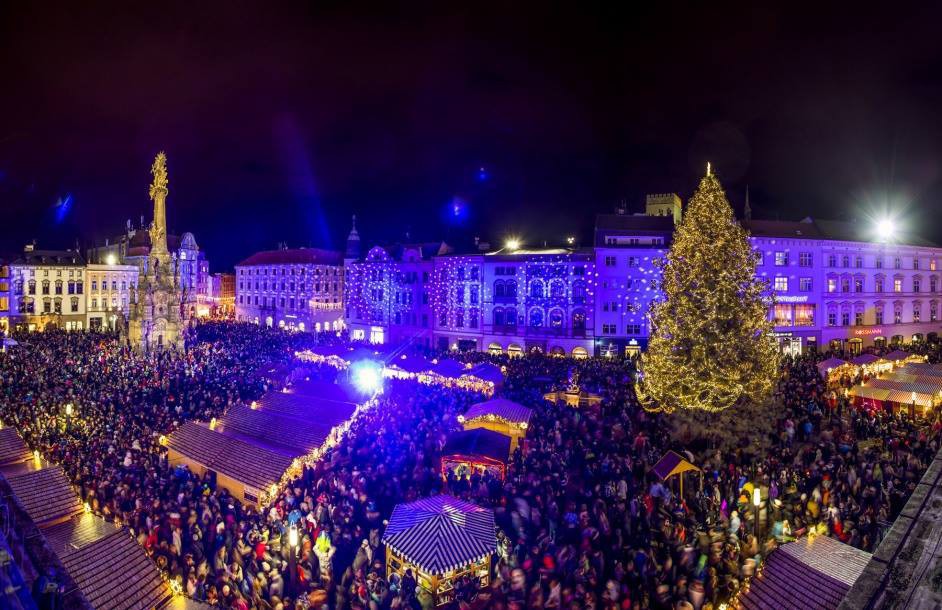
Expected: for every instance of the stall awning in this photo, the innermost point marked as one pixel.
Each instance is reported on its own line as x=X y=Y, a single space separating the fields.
x=672 y=463
x=500 y=408
x=831 y=363
x=441 y=533
x=487 y=371
x=867 y=359
x=410 y=364
x=449 y=368
x=478 y=442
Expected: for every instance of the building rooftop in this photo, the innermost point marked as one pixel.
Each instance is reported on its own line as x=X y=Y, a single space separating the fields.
x=71 y=258
x=293 y=256
x=635 y=223
x=834 y=230
x=45 y=495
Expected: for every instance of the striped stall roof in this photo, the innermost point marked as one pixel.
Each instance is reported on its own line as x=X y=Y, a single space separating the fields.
x=45 y=494
x=299 y=435
x=806 y=575
x=109 y=567
x=245 y=462
x=441 y=533
x=13 y=449
x=500 y=407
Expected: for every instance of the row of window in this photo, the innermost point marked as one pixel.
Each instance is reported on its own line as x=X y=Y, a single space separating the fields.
x=45 y=272
x=780 y=258
x=301 y=271
x=780 y=284
x=73 y=287
x=612 y=261
x=27 y=305
x=283 y=302
x=290 y=286
x=630 y=329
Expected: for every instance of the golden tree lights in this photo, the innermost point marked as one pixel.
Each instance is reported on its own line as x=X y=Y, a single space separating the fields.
x=711 y=343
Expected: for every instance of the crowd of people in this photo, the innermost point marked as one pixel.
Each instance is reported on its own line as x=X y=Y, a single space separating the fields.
x=583 y=520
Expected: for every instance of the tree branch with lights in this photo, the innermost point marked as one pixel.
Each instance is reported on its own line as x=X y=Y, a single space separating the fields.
x=711 y=347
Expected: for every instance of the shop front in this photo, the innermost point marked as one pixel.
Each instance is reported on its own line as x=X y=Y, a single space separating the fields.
x=796 y=343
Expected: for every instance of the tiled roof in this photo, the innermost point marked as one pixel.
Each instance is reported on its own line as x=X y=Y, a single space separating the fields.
x=299 y=435
x=45 y=495
x=108 y=566
x=247 y=463
x=12 y=448
x=806 y=575
x=69 y=258
x=826 y=229
x=295 y=256
x=306 y=406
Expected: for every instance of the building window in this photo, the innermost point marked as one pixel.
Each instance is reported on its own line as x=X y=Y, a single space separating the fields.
x=32 y=287
x=878 y=315
x=781 y=259
x=898 y=285
x=832 y=284
x=74 y=304
x=804 y=314
x=858 y=262
x=459 y=319
x=781 y=283
x=915 y=263
x=633 y=261
x=897 y=263
x=933 y=312
x=879 y=262
x=832 y=260
x=804 y=284
x=608 y=329
x=917 y=312
x=609 y=261
x=832 y=318
x=845 y=261
x=782 y=315
x=878 y=284
x=898 y=315
x=858 y=318
x=933 y=284
x=845 y=318
x=858 y=284
x=45 y=286
x=804 y=259
x=915 y=284
x=845 y=284
x=58 y=286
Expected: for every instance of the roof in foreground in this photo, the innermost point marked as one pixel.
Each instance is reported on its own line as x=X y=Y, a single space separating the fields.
x=499 y=407
x=902 y=572
x=13 y=448
x=441 y=533
x=478 y=442
x=834 y=230
x=45 y=494
x=807 y=574
x=108 y=566
x=293 y=256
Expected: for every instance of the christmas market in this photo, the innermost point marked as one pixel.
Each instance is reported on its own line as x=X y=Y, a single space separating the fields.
x=441 y=540
x=476 y=451
x=671 y=465
x=915 y=389
x=499 y=415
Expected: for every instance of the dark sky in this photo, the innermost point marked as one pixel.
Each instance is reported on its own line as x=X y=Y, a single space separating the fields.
x=280 y=124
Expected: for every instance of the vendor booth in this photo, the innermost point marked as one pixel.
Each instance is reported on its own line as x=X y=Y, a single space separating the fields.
x=675 y=465
x=900 y=358
x=832 y=369
x=476 y=451
x=915 y=389
x=573 y=396
x=499 y=415
x=871 y=364
x=441 y=539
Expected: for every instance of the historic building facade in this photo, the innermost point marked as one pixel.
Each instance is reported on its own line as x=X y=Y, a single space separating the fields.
x=6 y=289
x=299 y=288
x=108 y=295
x=222 y=296
x=159 y=306
x=48 y=290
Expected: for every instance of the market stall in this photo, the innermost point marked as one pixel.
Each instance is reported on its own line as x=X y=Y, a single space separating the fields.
x=832 y=369
x=574 y=396
x=915 y=389
x=499 y=415
x=675 y=465
x=871 y=364
x=901 y=358
x=440 y=540
x=476 y=451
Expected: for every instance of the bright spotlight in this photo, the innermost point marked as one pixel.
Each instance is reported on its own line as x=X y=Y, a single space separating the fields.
x=513 y=244
x=886 y=229
x=110 y=259
x=367 y=377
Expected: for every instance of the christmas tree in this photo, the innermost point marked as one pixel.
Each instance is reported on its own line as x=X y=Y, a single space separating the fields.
x=711 y=348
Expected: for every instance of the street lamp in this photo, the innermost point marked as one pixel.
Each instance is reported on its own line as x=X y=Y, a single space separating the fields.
x=756 y=501
x=292 y=552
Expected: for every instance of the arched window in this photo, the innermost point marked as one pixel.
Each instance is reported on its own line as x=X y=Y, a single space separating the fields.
x=536 y=289
x=498 y=316
x=557 y=289
x=499 y=288
x=32 y=286
x=510 y=288
x=45 y=286
x=578 y=321
x=510 y=316
x=74 y=305
x=536 y=317
x=578 y=291
x=58 y=286
x=556 y=317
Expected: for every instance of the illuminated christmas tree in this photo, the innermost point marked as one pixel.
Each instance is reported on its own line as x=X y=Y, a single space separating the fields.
x=711 y=347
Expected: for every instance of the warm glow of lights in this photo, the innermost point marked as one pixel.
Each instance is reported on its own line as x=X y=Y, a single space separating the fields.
x=570 y=240
x=87 y=507
x=293 y=536
x=512 y=244
x=756 y=496
x=36 y=456
x=367 y=377
x=212 y=424
x=886 y=229
x=110 y=259
x=254 y=404
x=68 y=410
x=461 y=419
x=162 y=440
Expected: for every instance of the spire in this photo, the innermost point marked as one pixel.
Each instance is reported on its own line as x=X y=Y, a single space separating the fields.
x=747 y=210
x=158 y=193
x=353 y=241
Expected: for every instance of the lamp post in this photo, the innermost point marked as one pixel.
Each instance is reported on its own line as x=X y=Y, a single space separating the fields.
x=292 y=551
x=912 y=407
x=756 y=500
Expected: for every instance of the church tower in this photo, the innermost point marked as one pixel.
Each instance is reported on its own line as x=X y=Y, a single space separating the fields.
x=353 y=242
x=158 y=315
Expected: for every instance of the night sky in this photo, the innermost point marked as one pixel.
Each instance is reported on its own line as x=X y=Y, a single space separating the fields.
x=278 y=125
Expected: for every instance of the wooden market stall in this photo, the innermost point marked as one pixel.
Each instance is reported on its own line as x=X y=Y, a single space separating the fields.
x=901 y=358
x=871 y=364
x=440 y=539
x=914 y=388
x=500 y=415
x=574 y=396
x=476 y=451
x=675 y=465
x=832 y=369
x=407 y=366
